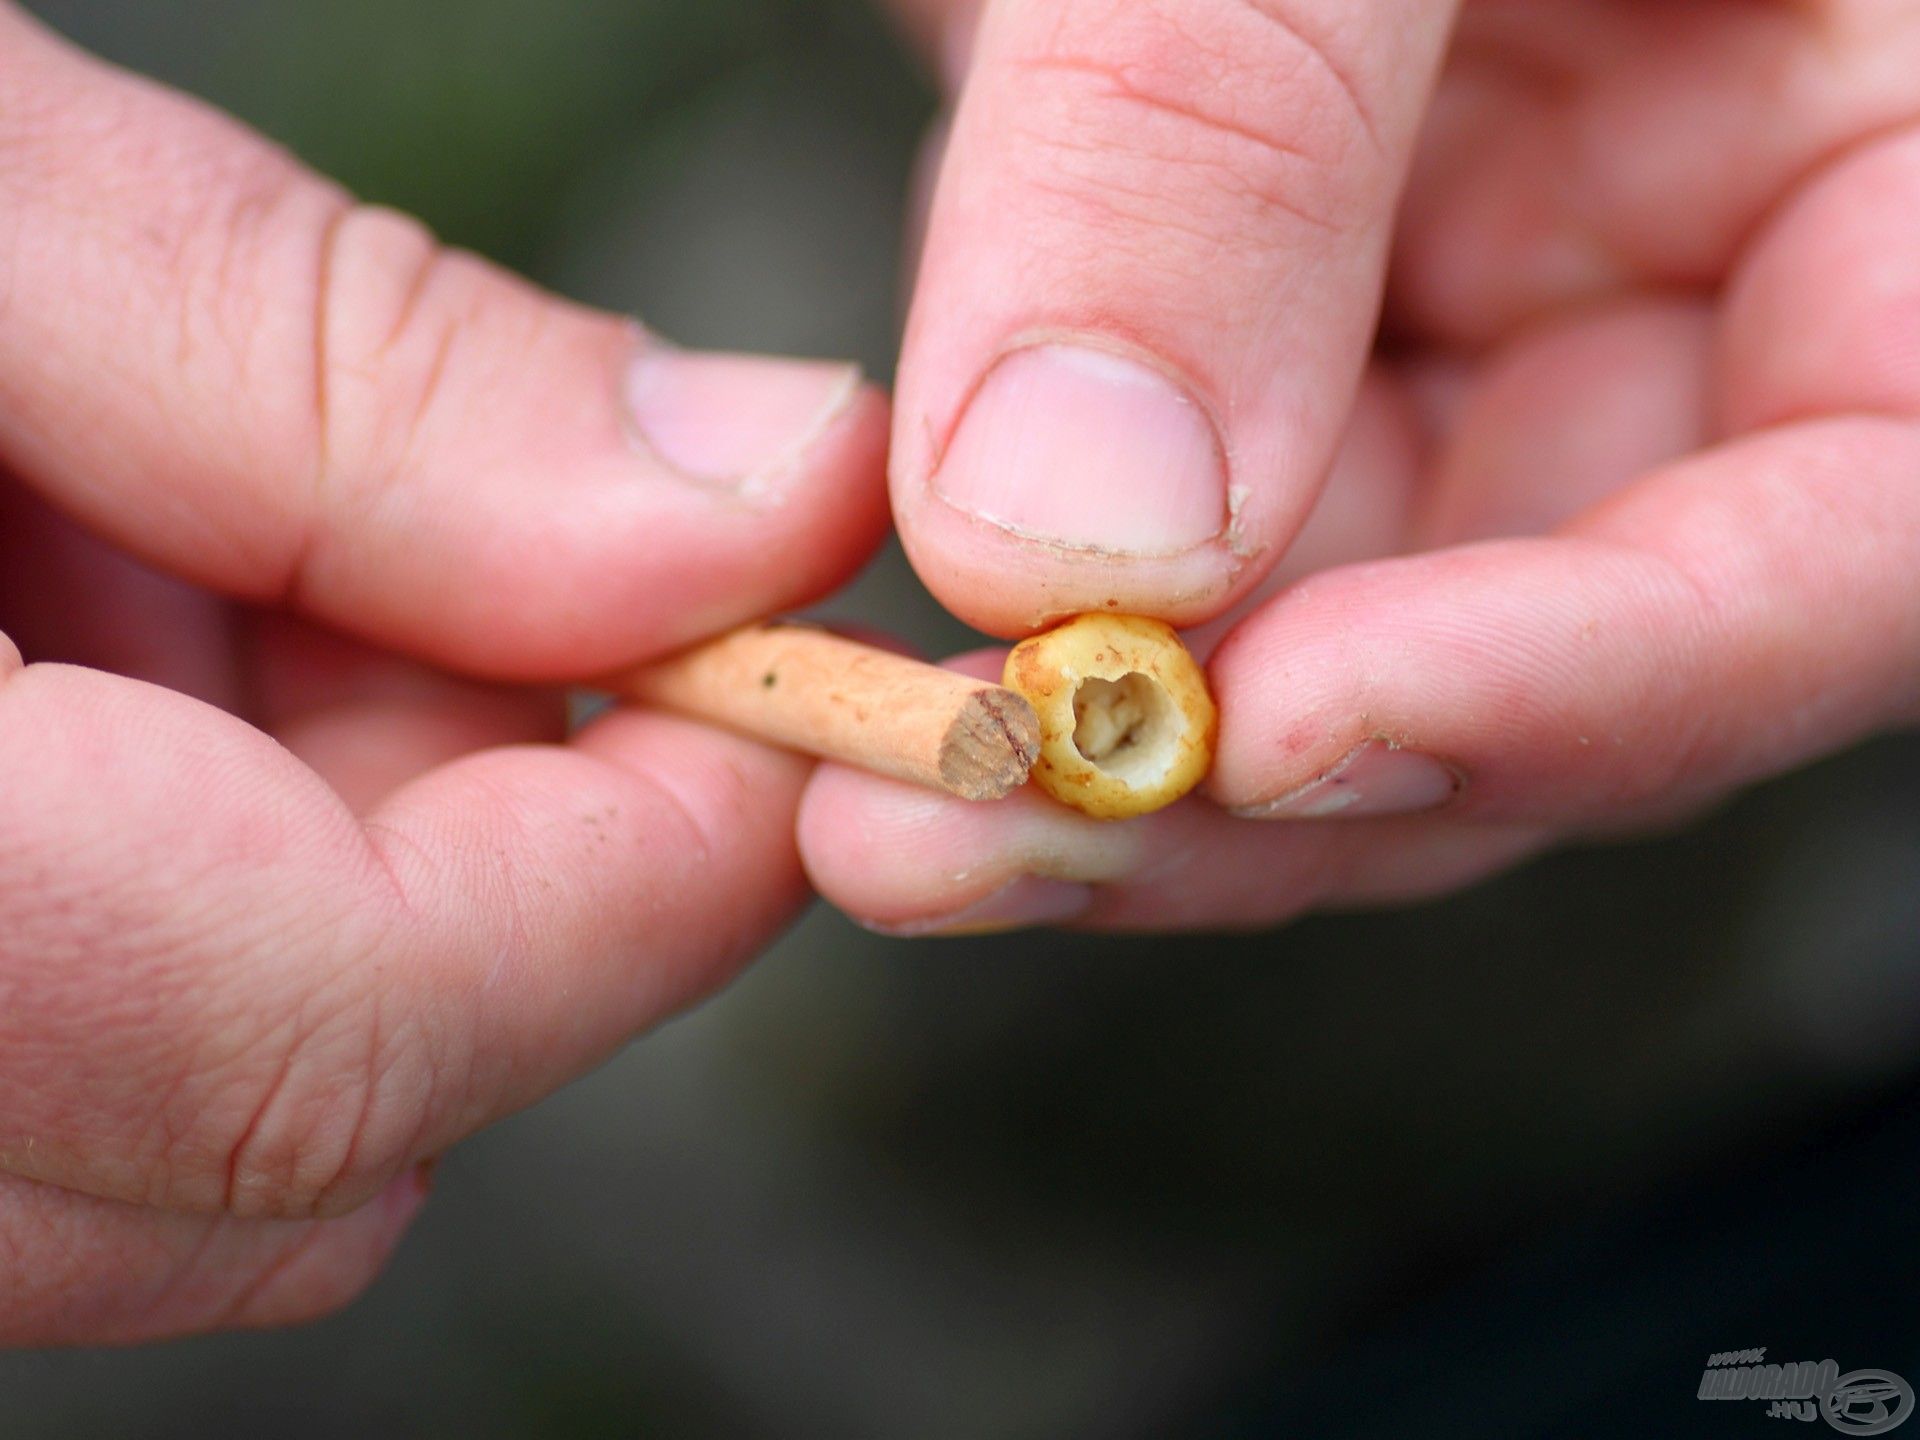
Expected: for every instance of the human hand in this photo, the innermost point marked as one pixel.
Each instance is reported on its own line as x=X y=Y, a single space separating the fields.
x=1624 y=511
x=248 y=987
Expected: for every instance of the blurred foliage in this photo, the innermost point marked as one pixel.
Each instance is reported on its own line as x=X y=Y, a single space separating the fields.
x=1037 y=1186
x=478 y=115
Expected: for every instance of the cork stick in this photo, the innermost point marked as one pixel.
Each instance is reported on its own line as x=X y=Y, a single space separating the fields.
x=815 y=692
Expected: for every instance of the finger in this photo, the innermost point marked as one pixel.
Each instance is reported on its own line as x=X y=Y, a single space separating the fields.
x=224 y=365
x=1147 y=296
x=366 y=721
x=1370 y=504
x=69 y=597
x=1730 y=615
x=1565 y=415
x=1824 y=315
x=912 y=863
x=220 y=990
x=78 y=1270
x=1583 y=150
x=1734 y=614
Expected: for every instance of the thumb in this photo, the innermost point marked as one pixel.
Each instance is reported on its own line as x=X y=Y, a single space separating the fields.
x=1149 y=287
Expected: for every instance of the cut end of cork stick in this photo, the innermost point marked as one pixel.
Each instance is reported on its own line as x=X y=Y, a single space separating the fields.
x=989 y=749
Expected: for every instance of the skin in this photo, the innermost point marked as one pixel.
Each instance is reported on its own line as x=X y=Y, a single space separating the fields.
x=291 y=898
x=1568 y=353
x=287 y=907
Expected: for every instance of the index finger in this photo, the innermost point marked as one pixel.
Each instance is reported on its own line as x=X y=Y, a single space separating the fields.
x=218 y=989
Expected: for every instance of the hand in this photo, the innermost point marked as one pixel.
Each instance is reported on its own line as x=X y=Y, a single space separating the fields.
x=246 y=993
x=1624 y=512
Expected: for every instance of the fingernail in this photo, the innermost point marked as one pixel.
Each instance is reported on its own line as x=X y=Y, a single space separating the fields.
x=1025 y=903
x=733 y=420
x=1376 y=779
x=1087 y=449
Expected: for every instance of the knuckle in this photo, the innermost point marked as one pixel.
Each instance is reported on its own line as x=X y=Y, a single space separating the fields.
x=1222 y=108
x=333 y=1118
x=414 y=346
x=389 y=302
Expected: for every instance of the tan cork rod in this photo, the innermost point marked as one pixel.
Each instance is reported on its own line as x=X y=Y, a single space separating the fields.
x=810 y=690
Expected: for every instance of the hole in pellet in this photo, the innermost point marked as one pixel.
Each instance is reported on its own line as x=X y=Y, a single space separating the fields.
x=1129 y=727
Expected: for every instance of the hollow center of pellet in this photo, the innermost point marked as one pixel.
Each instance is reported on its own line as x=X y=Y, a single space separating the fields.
x=1129 y=727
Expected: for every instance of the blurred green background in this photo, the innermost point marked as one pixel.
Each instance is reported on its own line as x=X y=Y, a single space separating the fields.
x=1050 y=1185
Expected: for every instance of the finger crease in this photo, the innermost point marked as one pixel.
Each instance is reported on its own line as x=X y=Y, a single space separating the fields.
x=237 y=1156
x=1270 y=12
x=1121 y=88
x=327 y=249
